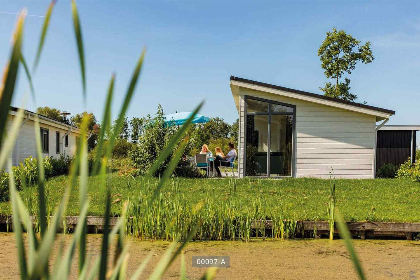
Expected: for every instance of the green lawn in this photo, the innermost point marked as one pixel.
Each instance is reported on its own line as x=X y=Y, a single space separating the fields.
x=298 y=199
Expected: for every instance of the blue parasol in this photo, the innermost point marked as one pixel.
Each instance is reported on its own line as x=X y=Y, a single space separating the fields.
x=181 y=117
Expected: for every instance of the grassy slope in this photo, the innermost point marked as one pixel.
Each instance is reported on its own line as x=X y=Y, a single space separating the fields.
x=300 y=199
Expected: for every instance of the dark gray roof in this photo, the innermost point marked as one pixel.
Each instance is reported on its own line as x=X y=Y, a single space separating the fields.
x=310 y=94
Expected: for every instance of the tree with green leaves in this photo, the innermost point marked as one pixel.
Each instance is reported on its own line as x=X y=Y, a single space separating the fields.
x=234 y=130
x=137 y=129
x=52 y=113
x=339 y=54
x=124 y=132
x=93 y=127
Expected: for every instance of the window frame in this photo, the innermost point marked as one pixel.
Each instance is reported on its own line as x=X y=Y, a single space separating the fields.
x=66 y=140
x=45 y=144
x=57 y=142
x=269 y=113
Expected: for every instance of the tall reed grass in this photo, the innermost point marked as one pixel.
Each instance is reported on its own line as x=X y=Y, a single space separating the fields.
x=34 y=261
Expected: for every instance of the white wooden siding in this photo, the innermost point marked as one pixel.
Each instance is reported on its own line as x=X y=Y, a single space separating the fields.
x=329 y=140
x=26 y=144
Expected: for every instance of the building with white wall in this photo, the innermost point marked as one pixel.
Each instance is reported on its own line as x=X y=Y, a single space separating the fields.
x=56 y=138
x=287 y=132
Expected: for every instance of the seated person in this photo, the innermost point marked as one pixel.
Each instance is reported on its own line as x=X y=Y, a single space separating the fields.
x=231 y=156
x=219 y=153
x=205 y=151
x=222 y=160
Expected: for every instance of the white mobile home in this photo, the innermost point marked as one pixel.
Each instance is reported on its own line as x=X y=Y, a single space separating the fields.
x=56 y=138
x=287 y=132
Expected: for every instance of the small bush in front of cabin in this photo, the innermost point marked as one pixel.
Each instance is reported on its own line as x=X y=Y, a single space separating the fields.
x=407 y=170
x=387 y=170
x=60 y=166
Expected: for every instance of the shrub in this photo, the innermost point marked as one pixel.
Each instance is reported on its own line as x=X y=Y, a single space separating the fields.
x=185 y=169
x=407 y=170
x=387 y=170
x=59 y=166
x=26 y=173
x=151 y=143
x=122 y=148
x=4 y=187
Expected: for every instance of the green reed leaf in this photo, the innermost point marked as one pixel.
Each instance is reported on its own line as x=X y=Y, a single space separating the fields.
x=9 y=142
x=42 y=205
x=79 y=41
x=163 y=263
x=141 y=268
x=48 y=239
x=345 y=235
x=27 y=223
x=127 y=100
x=183 y=267
x=10 y=74
x=43 y=34
x=17 y=227
x=183 y=245
x=83 y=188
x=105 y=241
x=65 y=264
x=117 y=267
x=106 y=124
x=28 y=76
x=210 y=274
x=168 y=172
x=173 y=142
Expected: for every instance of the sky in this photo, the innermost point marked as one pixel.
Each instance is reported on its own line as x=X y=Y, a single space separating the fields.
x=193 y=47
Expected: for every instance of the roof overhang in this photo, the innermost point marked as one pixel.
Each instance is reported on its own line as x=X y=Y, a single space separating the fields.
x=44 y=120
x=401 y=127
x=237 y=83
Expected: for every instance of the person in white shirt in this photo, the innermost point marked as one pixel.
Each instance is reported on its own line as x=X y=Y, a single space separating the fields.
x=222 y=160
x=231 y=156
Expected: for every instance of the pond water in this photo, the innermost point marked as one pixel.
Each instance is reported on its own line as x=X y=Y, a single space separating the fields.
x=259 y=259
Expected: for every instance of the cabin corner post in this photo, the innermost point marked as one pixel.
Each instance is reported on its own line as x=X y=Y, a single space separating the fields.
x=242 y=137
x=375 y=145
x=413 y=147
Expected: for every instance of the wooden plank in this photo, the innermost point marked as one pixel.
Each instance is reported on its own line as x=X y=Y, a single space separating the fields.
x=334 y=156
x=302 y=112
x=335 y=166
x=334 y=125
x=336 y=145
x=316 y=172
x=335 y=176
x=301 y=151
x=366 y=226
x=316 y=129
x=336 y=135
x=331 y=161
x=332 y=119
x=337 y=140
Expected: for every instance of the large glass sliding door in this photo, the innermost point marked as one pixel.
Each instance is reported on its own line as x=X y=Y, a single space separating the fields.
x=269 y=136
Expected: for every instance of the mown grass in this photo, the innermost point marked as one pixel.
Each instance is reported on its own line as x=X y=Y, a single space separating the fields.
x=297 y=199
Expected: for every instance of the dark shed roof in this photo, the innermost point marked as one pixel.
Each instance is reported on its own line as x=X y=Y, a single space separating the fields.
x=233 y=78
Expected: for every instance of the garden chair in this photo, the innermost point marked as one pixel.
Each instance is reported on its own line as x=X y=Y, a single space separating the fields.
x=231 y=166
x=201 y=161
